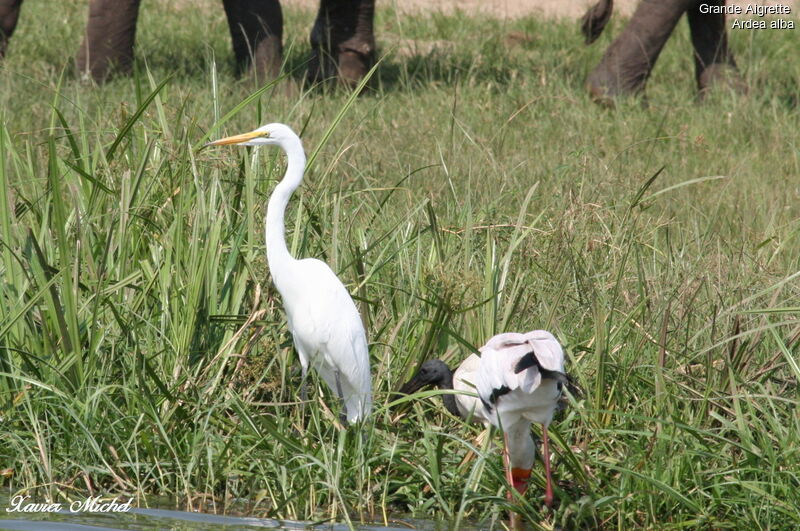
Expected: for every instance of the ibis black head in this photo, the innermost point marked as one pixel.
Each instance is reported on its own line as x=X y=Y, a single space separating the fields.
x=432 y=372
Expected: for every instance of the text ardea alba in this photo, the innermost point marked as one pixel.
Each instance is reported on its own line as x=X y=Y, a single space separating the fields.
x=323 y=319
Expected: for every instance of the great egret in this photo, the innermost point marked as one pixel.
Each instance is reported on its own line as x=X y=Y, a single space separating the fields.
x=518 y=379
x=323 y=319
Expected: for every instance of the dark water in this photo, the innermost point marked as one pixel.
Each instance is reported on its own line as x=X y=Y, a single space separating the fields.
x=152 y=519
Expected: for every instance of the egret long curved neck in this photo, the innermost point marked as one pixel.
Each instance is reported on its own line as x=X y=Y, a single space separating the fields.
x=278 y=255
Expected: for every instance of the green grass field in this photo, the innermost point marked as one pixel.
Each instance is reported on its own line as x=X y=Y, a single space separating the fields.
x=474 y=189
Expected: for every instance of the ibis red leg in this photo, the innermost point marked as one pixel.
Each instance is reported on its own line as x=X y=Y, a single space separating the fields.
x=507 y=464
x=548 y=489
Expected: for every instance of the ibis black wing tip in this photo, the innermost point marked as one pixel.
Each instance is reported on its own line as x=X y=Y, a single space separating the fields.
x=529 y=360
x=526 y=362
x=496 y=393
x=554 y=375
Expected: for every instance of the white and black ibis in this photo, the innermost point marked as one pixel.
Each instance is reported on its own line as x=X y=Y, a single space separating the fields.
x=519 y=379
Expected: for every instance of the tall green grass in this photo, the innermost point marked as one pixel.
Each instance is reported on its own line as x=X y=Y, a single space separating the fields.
x=473 y=189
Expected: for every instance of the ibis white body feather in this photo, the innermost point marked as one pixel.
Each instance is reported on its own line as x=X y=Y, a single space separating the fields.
x=511 y=396
x=521 y=449
x=519 y=382
x=469 y=405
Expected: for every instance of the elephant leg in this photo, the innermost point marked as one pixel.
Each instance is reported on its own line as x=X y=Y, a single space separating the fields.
x=108 y=42
x=9 y=13
x=257 y=34
x=342 y=41
x=714 y=64
x=595 y=20
x=627 y=63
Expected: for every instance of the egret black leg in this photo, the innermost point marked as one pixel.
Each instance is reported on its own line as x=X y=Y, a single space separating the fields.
x=343 y=413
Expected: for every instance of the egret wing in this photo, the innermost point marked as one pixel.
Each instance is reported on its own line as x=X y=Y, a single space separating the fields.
x=330 y=326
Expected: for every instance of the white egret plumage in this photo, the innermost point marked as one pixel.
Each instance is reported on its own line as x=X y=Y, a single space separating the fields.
x=325 y=324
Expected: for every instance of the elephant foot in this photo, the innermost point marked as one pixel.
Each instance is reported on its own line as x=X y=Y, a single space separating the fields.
x=103 y=68
x=353 y=66
x=720 y=75
x=257 y=35
x=349 y=67
x=267 y=58
x=342 y=42
x=605 y=84
x=628 y=61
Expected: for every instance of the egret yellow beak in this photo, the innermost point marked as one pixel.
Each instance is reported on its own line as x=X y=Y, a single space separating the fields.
x=238 y=139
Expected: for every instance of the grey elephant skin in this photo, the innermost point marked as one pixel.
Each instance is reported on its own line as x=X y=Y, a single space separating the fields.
x=627 y=63
x=342 y=38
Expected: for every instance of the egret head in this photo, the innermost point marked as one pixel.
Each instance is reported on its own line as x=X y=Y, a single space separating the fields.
x=270 y=134
x=432 y=372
